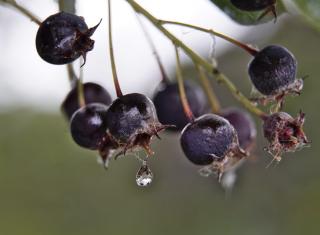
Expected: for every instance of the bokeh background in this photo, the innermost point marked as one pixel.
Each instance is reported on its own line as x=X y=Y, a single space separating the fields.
x=50 y=186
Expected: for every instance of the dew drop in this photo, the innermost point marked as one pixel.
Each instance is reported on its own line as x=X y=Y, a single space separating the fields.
x=144 y=175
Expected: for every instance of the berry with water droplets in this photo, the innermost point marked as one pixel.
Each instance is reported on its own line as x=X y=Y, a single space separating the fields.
x=88 y=125
x=63 y=38
x=273 y=71
x=244 y=125
x=93 y=93
x=132 y=121
x=168 y=103
x=284 y=133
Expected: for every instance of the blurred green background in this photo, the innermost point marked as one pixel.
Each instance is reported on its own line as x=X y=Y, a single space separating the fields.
x=50 y=186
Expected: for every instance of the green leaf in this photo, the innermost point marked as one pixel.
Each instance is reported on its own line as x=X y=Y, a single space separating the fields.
x=245 y=17
x=310 y=9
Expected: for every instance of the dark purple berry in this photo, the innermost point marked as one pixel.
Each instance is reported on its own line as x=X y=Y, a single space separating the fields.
x=64 y=37
x=168 y=103
x=132 y=121
x=88 y=125
x=284 y=133
x=93 y=93
x=253 y=5
x=244 y=125
x=209 y=138
x=273 y=70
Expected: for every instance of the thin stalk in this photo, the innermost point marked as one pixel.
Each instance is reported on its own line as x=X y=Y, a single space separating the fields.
x=165 y=78
x=252 y=51
x=113 y=64
x=81 y=98
x=184 y=100
x=24 y=11
x=207 y=87
x=198 y=60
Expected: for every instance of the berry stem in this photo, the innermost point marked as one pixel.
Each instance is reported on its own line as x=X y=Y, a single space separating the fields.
x=207 y=87
x=184 y=100
x=198 y=60
x=24 y=11
x=252 y=51
x=71 y=75
x=113 y=64
x=81 y=98
x=164 y=76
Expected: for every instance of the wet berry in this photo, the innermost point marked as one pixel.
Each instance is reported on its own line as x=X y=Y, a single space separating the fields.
x=88 y=125
x=273 y=70
x=132 y=121
x=284 y=133
x=93 y=93
x=244 y=125
x=252 y=5
x=209 y=138
x=168 y=104
x=64 y=37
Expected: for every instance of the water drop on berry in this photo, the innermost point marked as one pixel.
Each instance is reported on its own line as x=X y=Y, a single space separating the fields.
x=144 y=176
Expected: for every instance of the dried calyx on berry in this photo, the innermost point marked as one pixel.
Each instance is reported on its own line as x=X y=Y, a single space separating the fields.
x=168 y=103
x=93 y=93
x=284 y=133
x=63 y=38
x=273 y=73
x=257 y=5
x=211 y=141
x=132 y=122
x=88 y=128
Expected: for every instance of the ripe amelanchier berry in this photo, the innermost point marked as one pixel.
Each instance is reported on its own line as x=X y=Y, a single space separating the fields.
x=244 y=125
x=284 y=133
x=63 y=38
x=93 y=93
x=211 y=141
x=256 y=5
x=88 y=125
x=168 y=103
x=88 y=128
x=273 y=73
x=132 y=122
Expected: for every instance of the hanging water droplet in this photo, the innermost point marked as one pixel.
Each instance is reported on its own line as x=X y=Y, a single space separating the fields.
x=144 y=176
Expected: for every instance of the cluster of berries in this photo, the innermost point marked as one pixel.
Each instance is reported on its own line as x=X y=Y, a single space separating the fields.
x=217 y=142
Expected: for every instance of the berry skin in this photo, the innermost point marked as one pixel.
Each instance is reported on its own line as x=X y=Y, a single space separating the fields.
x=63 y=38
x=93 y=93
x=132 y=121
x=209 y=138
x=253 y=5
x=244 y=125
x=211 y=141
x=168 y=104
x=273 y=70
x=284 y=133
x=88 y=125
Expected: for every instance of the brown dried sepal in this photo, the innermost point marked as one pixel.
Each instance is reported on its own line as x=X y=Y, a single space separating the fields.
x=284 y=133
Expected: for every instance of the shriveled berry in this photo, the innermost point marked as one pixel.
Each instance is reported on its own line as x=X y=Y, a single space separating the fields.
x=284 y=133
x=244 y=125
x=209 y=138
x=168 y=103
x=273 y=70
x=88 y=125
x=93 y=93
x=252 y=5
x=132 y=121
x=64 y=37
